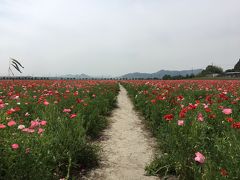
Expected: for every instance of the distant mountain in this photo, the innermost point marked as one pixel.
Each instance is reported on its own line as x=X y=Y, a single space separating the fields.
x=161 y=73
x=77 y=76
x=158 y=74
x=137 y=75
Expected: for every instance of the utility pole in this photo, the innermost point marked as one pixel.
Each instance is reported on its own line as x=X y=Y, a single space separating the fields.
x=213 y=73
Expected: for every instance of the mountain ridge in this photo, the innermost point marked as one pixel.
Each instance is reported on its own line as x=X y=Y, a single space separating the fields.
x=78 y=76
x=161 y=73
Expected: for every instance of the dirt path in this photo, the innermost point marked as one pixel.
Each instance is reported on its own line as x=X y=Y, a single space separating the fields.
x=127 y=147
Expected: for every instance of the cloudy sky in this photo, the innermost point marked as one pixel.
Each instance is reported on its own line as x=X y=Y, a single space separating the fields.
x=113 y=37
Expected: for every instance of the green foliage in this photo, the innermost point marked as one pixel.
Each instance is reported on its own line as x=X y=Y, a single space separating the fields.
x=178 y=77
x=211 y=69
x=167 y=77
x=230 y=70
x=214 y=137
x=65 y=147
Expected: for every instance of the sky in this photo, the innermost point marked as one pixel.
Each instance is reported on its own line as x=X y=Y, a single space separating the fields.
x=114 y=37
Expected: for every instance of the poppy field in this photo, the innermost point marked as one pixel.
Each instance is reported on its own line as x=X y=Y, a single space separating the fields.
x=196 y=124
x=47 y=127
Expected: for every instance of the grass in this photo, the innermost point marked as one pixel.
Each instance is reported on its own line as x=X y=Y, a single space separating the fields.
x=216 y=136
x=61 y=148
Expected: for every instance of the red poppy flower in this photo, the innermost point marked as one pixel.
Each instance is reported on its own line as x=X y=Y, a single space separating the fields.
x=73 y=116
x=168 y=117
x=223 y=172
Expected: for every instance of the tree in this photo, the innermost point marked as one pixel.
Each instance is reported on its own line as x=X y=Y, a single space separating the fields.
x=166 y=77
x=237 y=66
x=210 y=69
x=192 y=76
x=214 y=69
x=230 y=70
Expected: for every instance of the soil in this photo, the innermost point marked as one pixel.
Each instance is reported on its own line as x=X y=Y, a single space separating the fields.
x=127 y=146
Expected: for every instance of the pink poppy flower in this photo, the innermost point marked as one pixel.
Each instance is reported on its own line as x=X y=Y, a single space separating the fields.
x=21 y=127
x=31 y=130
x=11 y=123
x=34 y=124
x=73 y=116
x=2 y=106
x=15 y=146
x=40 y=131
x=28 y=130
x=227 y=111
x=180 y=122
x=67 y=110
x=43 y=123
x=2 y=126
x=205 y=105
x=199 y=157
x=46 y=103
x=200 y=117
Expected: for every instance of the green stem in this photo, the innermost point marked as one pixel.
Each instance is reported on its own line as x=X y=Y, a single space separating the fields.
x=69 y=167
